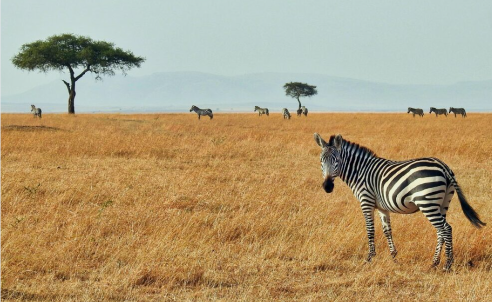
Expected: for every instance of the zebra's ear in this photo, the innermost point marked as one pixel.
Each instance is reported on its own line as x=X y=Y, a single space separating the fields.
x=337 y=142
x=321 y=142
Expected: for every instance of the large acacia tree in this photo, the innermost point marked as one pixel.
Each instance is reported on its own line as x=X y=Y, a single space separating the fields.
x=76 y=54
x=297 y=90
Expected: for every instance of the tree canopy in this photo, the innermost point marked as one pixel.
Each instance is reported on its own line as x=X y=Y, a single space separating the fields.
x=72 y=52
x=297 y=90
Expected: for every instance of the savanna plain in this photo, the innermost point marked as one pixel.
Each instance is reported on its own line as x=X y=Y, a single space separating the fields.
x=166 y=207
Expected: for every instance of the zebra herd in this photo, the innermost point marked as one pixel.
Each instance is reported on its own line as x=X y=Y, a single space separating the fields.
x=438 y=111
x=404 y=187
x=261 y=111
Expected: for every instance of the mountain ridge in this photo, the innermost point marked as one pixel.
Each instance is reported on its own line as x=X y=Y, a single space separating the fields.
x=177 y=91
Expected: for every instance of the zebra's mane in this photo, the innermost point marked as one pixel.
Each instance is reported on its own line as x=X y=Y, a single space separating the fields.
x=352 y=145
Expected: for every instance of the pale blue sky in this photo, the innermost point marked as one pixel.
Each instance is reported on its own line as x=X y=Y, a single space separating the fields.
x=400 y=42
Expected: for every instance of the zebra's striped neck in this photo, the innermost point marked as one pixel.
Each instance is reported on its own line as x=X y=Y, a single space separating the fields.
x=353 y=161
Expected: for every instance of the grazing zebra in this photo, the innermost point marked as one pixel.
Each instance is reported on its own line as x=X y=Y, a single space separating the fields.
x=262 y=111
x=36 y=111
x=404 y=187
x=415 y=111
x=457 y=111
x=299 y=112
x=304 y=110
x=286 y=113
x=201 y=112
x=439 y=111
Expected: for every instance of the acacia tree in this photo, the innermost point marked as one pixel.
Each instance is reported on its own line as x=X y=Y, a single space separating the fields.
x=75 y=53
x=297 y=90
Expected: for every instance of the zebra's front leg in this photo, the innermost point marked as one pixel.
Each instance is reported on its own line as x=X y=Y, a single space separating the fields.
x=369 y=217
x=386 y=223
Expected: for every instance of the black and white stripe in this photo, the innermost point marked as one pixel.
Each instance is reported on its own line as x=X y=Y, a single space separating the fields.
x=262 y=111
x=304 y=110
x=416 y=111
x=286 y=113
x=457 y=111
x=201 y=112
x=36 y=111
x=439 y=111
x=404 y=187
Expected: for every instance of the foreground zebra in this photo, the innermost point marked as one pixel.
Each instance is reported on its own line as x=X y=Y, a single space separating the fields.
x=304 y=110
x=262 y=111
x=439 y=111
x=286 y=113
x=416 y=111
x=404 y=187
x=201 y=112
x=299 y=112
x=36 y=111
x=457 y=111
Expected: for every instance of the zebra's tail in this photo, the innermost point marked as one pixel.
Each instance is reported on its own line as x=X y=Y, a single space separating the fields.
x=466 y=207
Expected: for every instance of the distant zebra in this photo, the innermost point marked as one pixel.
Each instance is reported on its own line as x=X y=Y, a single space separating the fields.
x=299 y=112
x=304 y=110
x=439 y=111
x=262 y=111
x=36 y=111
x=457 y=111
x=286 y=113
x=415 y=111
x=201 y=112
x=404 y=187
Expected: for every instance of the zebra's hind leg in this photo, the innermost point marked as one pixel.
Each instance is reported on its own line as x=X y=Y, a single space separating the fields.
x=448 y=241
x=437 y=254
x=444 y=236
x=386 y=223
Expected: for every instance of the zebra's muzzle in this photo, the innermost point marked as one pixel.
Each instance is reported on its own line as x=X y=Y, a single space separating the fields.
x=328 y=185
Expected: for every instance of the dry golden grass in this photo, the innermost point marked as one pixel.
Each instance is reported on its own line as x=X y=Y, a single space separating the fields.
x=165 y=207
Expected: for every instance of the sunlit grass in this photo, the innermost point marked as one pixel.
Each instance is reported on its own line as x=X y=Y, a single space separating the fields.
x=167 y=207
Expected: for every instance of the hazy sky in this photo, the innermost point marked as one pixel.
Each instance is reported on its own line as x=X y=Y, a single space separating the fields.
x=401 y=42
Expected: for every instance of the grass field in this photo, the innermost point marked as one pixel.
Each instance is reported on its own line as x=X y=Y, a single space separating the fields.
x=164 y=207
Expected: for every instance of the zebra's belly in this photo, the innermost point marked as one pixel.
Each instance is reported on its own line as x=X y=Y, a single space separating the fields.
x=405 y=207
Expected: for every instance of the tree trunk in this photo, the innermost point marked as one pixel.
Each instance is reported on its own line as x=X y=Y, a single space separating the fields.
x=299 y=102
x=71 y=101
x=71 y=96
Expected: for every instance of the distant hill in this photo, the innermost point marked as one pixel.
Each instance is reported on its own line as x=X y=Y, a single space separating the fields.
x=177 y=91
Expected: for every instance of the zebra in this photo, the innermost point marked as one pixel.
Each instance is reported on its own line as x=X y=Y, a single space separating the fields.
x=201 y=112
x=457 y=111
x=262 y=111
x=439 y=111
x=299 y=112
x=36 y=111
x=404 y=187
x=304 y=110
x=286 y=113
x=415 y=111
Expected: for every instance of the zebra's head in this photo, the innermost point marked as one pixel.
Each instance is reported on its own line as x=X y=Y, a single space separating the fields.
x=432 y=109
x=256 y=108
x=192 y=107
x=330 y=159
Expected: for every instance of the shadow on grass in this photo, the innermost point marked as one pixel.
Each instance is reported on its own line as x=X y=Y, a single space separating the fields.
x=30 y=128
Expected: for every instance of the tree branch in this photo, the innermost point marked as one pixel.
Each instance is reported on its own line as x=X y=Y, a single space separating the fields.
x=68 y=85
x=83 y=72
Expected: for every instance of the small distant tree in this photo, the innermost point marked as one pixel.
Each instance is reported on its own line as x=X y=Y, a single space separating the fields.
x=297 y=90
x=71 y=52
